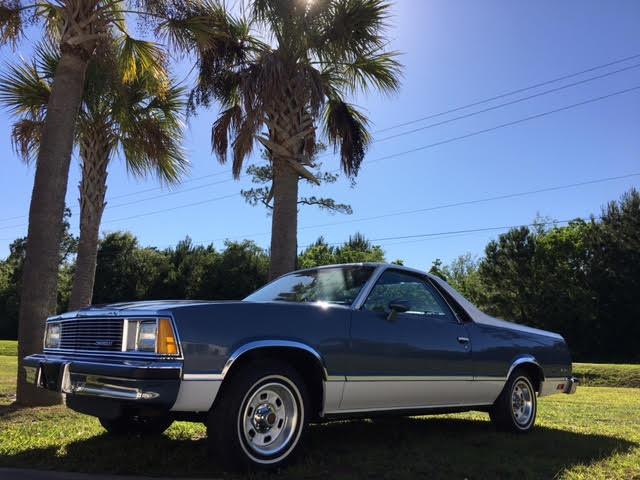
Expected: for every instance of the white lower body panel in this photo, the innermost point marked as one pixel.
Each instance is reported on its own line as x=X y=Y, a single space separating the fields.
x=552 y=385
x=196 y=395
x=376 y=395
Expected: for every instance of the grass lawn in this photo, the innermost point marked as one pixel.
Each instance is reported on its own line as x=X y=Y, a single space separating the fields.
x=8 y=347
x=593 y=434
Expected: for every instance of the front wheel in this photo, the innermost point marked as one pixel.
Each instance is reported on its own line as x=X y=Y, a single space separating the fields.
x=260 y=417
x=516 y=408
x=136 y=425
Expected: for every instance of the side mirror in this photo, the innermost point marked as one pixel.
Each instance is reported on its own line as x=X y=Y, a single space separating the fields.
x=397 y=306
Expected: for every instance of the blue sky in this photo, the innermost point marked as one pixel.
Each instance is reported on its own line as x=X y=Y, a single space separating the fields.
x=454 y=53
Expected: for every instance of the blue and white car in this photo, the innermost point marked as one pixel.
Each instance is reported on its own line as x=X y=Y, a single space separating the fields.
x=315 y=345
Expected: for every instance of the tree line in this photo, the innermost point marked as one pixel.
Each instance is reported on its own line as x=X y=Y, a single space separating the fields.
x=128 y=271
x=580 y=279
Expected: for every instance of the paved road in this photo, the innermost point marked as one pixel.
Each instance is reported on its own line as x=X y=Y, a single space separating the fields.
x=23 y=474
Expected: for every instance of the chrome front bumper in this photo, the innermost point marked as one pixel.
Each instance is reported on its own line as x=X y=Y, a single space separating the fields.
x=144 y=381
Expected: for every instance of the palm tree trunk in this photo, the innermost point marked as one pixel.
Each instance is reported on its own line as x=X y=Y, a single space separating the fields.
x=40 y=276
x=95 y=151
x=284 y=225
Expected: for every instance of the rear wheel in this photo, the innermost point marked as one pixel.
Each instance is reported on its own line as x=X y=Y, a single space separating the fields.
x=260 y=417
x=516 y=408
x=140 y=425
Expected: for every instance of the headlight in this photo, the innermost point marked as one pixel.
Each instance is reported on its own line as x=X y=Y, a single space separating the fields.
x=151 y=336
x=52 y=335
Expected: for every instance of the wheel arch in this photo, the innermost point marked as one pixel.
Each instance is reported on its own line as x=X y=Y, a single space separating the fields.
x=529 y=364
x=304 y=358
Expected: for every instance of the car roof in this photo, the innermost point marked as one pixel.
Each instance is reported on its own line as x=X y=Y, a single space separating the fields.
x=368 y=264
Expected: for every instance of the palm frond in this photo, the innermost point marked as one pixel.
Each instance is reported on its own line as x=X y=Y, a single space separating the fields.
x=24 y=91
x=25 y=138
x=197 y=25
x=11 y=22
x=245 y=140
x=352 y=28
x=346 y=127
x=53 y=16
x=46 y=58
x=151 y=131
x=137 y=57
x=380 y=71
x=227 y=123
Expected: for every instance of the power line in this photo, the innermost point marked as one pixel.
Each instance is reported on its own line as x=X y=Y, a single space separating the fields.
x=476 y=201
x=507 y=94
x=199 y=187
x=454 y=204
x=457 y=232
x=164 y=210
x=507 y=124
x=501 y=105
x=480 y=102
x=413 y=150
x=443 y=142
x=175 y=192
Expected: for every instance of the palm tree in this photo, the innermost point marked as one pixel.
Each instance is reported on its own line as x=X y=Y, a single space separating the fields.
x=281 y=71
x=140 y=119
x=77 y=27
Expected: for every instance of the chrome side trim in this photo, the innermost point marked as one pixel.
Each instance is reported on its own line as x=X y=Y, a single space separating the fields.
x=525 y=359
x=420 y=407
x=203 y=376
x=490 y=379
x=247 y=347
x=402 y=378
x=133 y=363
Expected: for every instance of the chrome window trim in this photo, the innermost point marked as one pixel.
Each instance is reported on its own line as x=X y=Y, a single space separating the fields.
x=366 y=290
x=381 y=269
x=430 y=281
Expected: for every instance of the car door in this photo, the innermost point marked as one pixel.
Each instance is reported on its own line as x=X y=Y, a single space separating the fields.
x=420 y=357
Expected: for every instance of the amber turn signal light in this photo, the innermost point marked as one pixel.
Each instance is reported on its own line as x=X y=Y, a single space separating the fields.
x=167 y=344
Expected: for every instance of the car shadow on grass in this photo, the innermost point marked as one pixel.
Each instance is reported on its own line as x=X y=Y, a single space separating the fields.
x=403 y=448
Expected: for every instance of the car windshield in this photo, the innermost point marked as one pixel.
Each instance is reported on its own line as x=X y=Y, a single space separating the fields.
x=339 y=285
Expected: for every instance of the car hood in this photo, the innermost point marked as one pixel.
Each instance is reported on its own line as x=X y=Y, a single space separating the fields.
x=149 y=307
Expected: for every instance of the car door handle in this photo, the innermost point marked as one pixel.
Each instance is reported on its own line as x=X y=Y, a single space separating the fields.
x=463 y=339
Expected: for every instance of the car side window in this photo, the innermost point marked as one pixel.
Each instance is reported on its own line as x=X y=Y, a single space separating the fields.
x=393 y=285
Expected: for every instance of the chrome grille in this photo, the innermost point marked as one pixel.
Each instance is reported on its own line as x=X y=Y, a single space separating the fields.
x=93 y=334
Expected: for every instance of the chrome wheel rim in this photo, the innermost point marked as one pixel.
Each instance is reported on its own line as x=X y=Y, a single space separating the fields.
x=522 y=402
x=270 y=419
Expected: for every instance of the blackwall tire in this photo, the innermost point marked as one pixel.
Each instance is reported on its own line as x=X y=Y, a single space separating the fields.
x=260 y=418
x=516 y=408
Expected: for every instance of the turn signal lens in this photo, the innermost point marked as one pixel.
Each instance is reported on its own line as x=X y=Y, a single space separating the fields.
x=167 y=344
